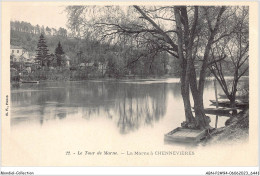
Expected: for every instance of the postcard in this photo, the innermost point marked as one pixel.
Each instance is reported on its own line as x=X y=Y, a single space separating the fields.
x=129 y=84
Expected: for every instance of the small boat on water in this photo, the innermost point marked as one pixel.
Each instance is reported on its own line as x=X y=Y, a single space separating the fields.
x=16 y=84
x=238 y=97
x=184 y=135
x=224 y=111
x=221 y=102
x=35 y=82
x=220 y=111
x=226 y=103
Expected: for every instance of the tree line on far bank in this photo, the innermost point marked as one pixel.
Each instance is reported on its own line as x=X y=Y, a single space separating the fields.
x=119 y=60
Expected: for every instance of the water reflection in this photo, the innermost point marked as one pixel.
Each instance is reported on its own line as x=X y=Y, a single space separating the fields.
x=129 y=105
x=140 y=105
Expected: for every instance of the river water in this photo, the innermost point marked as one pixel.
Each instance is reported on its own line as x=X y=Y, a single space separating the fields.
x=53 y=117
x=129 y=105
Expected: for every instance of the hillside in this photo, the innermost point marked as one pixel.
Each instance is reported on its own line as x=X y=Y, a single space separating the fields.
x=71 y=46
x=121 y=59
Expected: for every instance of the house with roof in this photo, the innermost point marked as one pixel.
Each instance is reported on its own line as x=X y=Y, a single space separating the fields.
x=16 y=50
x=86 y=65
x=102 y=67
x=19 y=54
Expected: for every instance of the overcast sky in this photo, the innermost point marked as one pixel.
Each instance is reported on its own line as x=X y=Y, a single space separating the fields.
x=51 y=16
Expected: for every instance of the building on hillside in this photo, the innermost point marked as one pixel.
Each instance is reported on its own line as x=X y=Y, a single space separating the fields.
x=86 y=65
x=66 y=60
x=21 y=59
x=16 y=50
x=82 y=65
x=102 y=67
x=90 y=64
x=19 y=54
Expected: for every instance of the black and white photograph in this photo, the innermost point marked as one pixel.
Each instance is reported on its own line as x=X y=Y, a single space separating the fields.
x=117 y=84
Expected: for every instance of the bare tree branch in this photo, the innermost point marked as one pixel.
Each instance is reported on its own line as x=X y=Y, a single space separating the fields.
x=166 y=37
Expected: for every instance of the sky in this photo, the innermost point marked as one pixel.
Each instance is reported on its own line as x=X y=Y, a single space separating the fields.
x=51 y=16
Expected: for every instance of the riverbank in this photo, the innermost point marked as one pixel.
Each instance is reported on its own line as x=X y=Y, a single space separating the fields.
x=236 y=130
x=78 y=75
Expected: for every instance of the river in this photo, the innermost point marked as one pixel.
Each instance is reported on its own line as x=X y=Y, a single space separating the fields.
x=129 y=105
x=106 y=113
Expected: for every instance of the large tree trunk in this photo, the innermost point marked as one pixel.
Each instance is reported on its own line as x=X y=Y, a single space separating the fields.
x=234 y=90
x=202 y=121
x=186 y=95
x=232 y=97
x=201 y=118
x=232 y=102
x=188 y=78
x=187 y=107
x=185 y=75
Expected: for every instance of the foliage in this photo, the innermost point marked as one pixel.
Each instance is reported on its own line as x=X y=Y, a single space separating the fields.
x=231 y=53
x=117 y=58
x=42 y=51
x=22 y=26
x=59 y=52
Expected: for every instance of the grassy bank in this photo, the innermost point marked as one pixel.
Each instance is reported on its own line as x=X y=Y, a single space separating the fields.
x=236 y=130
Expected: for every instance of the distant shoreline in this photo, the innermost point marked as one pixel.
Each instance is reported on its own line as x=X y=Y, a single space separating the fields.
x=149 y=78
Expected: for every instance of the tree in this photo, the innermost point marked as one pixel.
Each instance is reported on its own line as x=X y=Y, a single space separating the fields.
x=62 y=32
x=48 y=30
x=186 y=37
x=54 y=31
x=232 y=54
x=37 y=29
x=50 y=61
x=185 y=32
x=42 y=51
x=59 y=52
x=42 y=30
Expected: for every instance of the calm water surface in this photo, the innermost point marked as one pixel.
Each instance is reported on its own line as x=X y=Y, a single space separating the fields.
x=51 y=118
x=130 y=105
